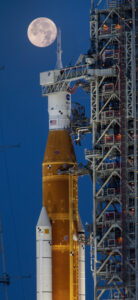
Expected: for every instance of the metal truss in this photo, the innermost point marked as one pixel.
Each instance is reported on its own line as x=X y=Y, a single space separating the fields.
x=114 y=237
x=61 y=79
x=129 y=85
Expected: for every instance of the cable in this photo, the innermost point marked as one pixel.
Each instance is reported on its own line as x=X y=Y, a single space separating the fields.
x=3 y=259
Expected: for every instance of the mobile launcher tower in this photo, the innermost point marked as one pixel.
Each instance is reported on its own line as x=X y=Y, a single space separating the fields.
x=108 y=72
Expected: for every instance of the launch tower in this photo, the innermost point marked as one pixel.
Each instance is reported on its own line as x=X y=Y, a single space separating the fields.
x=114 y=240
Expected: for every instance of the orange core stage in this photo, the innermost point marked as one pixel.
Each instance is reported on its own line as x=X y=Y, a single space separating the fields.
x=60 y=197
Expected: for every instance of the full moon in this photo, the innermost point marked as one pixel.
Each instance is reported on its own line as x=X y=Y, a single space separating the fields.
x=42 y=32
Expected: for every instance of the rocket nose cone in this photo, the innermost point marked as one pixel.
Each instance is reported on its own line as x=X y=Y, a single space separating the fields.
x=43 y=218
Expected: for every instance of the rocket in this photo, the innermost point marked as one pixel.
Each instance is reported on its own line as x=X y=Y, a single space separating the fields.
x=60 y=251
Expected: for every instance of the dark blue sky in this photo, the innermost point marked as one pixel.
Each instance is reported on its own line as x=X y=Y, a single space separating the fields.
x=24 y=121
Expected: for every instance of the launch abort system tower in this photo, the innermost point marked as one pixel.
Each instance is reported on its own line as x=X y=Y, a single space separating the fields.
x=109 y=72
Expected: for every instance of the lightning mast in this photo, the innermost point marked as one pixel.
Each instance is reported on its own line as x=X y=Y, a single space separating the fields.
x=59 y=64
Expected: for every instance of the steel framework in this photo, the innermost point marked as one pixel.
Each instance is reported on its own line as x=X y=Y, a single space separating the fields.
x=114 y=254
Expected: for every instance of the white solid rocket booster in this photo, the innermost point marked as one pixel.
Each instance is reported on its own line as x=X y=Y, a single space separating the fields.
x=44 y=257
x=81 y=265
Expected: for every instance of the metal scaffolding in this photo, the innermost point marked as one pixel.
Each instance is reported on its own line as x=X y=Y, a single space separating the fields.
x=113 y=118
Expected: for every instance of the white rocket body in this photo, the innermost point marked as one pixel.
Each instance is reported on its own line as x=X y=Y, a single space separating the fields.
x=81 y=265
x=44 y=256
x=81 y=271
x=59 y=109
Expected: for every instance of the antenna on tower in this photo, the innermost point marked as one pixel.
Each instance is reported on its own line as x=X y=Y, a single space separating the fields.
x=59 y=64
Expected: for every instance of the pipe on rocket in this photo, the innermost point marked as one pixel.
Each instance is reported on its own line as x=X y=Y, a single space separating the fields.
x=44 y=256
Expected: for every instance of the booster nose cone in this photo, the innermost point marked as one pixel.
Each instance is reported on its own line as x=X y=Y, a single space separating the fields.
x=43 y=218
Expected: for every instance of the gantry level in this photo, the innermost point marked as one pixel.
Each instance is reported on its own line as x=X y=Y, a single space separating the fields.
x=59 y=80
